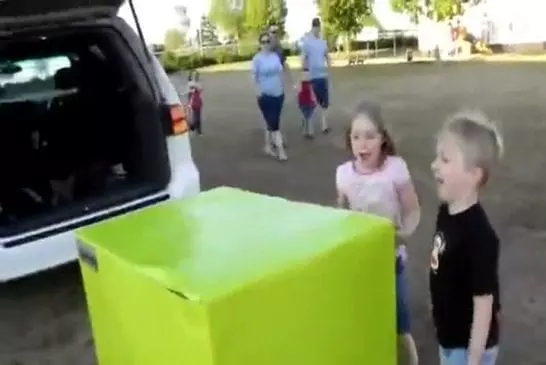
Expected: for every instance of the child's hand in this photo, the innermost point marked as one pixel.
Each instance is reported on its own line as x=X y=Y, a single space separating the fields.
x=402 y=251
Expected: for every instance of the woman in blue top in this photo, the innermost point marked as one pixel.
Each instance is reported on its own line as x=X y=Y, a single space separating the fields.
x=268 y=74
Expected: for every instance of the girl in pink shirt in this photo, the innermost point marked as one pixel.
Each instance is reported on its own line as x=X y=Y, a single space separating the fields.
x=377 y=181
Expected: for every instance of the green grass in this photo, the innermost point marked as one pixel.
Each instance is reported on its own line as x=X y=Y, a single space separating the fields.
x=294 y=61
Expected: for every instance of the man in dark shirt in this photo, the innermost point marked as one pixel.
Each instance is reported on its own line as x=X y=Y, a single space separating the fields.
x=464 y=281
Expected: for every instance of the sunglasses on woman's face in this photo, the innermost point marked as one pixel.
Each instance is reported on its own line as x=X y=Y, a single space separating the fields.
x=265 y=41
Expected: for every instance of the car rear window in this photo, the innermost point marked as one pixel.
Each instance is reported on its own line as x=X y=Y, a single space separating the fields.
x=32 y=78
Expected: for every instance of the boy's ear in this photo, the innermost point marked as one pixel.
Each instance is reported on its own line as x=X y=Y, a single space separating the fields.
x=479 y=175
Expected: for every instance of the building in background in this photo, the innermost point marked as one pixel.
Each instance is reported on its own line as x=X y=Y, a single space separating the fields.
x=516 y=23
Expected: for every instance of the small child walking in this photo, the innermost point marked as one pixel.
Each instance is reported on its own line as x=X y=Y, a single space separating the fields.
x=195 y=101
x=463 y=277
x=307 y=104
x=377 y=181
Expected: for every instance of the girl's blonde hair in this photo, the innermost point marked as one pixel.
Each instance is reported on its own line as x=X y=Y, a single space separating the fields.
x=481 y=141
x=372 y=112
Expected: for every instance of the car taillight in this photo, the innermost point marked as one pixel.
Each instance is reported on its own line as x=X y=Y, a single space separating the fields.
x=179 y=119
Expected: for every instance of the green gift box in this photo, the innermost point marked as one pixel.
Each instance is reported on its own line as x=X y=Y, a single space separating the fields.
x=231 y=277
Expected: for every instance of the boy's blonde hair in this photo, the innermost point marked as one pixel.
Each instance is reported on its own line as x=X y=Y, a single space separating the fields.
x=481 y=141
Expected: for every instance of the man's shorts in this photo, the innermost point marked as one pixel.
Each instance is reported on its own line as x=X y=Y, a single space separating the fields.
x=320 y=89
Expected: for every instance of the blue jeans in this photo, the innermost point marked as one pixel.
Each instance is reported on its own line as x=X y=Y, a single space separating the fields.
x=403 y=324
x=307 y=111
x=460 y=356
x=271 y=108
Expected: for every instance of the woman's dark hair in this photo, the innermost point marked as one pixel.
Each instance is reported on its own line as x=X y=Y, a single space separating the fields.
x=372 y=111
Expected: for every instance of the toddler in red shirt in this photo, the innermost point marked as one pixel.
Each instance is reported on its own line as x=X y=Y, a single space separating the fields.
x=195 y=101
x=307 y=104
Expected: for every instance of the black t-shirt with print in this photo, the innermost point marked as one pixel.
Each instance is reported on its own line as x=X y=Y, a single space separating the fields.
x=464 y=264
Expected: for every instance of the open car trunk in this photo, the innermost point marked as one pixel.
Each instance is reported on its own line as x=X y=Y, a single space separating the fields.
x=32 y=8
x=80 y=126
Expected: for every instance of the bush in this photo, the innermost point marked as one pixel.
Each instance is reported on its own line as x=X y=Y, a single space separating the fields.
x=224 y=56
x=173 y=62
x=170 y=62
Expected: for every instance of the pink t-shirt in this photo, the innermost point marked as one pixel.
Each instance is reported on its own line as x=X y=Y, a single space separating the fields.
x=376 y=192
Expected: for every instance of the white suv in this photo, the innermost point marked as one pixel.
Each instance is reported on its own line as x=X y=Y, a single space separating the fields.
x=90 y=127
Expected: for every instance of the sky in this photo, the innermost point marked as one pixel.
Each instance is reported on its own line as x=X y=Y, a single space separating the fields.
x=157 y=16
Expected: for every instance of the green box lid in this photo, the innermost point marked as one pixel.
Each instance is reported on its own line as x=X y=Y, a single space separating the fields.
x=210 y=245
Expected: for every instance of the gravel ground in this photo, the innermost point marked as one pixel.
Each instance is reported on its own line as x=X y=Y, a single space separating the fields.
x=44 y=319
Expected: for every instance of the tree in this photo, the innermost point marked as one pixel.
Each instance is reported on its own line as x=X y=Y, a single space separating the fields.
x=207 y=34
x=413 y=8
x=184 y=20
x=435 y=9
x=344 y=17
x=228 y=18
x=174 y=40
x=255 y=16
x=445 y=9
x=276 y=14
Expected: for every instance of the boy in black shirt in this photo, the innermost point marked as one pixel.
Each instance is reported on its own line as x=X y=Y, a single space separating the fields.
x=464 y=283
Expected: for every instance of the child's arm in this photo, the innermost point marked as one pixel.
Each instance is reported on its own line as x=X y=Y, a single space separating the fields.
x=481 y=322
x=484 y=262
x=411 y=211
x=313 y=97
x=409 y=203
x=342 y=200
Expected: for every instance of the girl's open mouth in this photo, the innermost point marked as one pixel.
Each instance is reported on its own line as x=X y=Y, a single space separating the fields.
x=364 y=155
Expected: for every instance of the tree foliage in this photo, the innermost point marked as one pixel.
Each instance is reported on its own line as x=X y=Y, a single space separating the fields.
x=207 y=34
x=174 y=40
x=184 y=20
x=445 y=9
x=434 y=9
x=323 y=7
x=343 y=17
x=255 y=16
x=276 y=14
x=229 y=19
x=249 y=18
x=412 y=8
